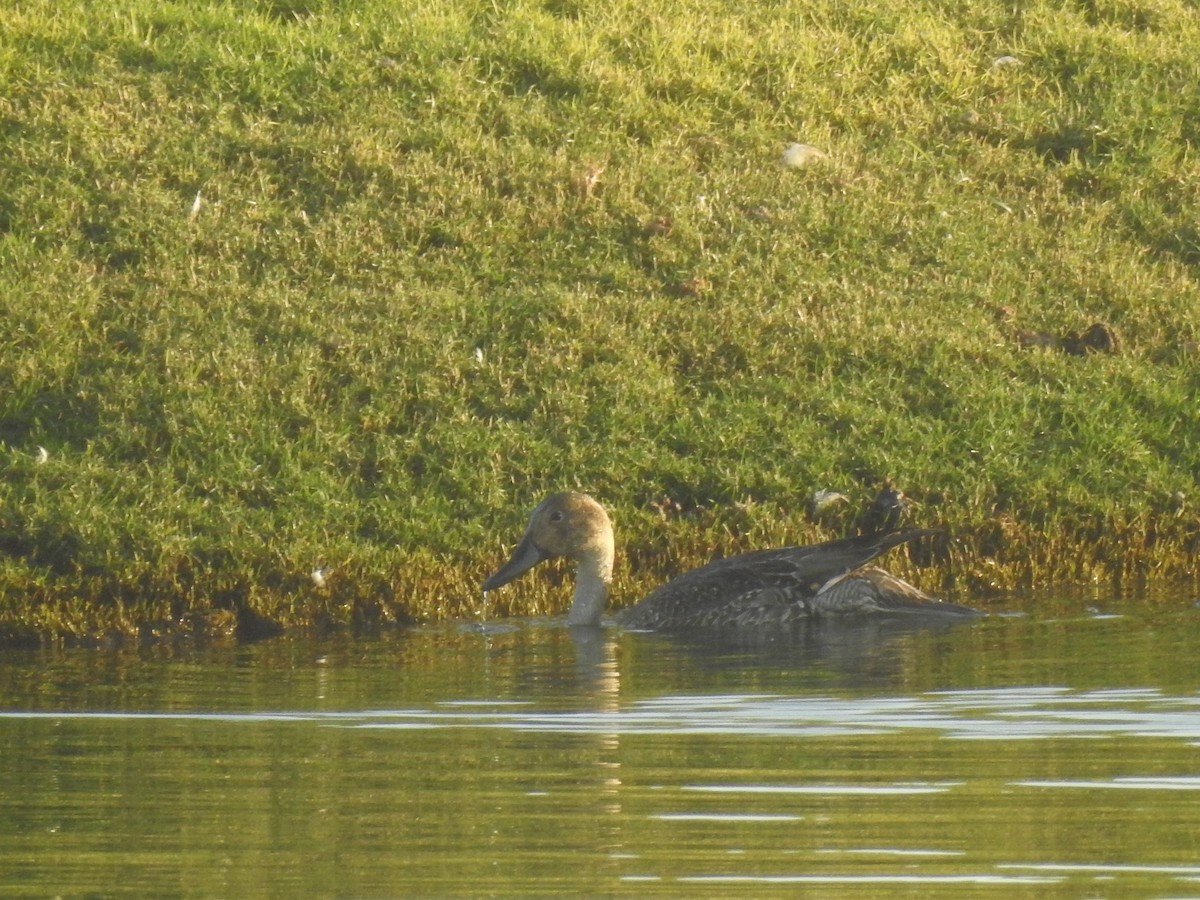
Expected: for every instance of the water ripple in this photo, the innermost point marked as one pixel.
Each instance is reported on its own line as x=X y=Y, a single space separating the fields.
x=875 y=790
x=1033 y=713
x=1130 y=783
x=982 y=878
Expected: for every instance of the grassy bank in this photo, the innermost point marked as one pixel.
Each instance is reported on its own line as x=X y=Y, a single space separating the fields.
x=308 y=284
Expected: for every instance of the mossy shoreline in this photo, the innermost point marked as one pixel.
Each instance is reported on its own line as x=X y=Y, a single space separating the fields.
x=986 y=569
x=296 y=287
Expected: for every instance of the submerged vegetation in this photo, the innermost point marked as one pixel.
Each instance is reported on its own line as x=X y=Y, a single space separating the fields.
x=306 y=303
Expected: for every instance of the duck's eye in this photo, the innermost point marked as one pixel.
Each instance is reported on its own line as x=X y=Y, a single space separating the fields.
x=556 y=516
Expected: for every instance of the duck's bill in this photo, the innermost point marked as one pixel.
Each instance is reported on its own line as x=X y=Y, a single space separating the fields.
x=525 y=557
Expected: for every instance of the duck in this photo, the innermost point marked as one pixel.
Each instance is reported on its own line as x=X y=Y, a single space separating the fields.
x=756 y=589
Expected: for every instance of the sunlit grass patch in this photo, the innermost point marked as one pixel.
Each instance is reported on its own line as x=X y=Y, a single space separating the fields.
x=293 y=286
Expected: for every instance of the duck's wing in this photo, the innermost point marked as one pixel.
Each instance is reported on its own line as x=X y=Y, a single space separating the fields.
x=872 y=590
x=769 y=586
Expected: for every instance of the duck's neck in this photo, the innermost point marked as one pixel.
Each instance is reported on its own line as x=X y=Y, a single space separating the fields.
x=592 y=578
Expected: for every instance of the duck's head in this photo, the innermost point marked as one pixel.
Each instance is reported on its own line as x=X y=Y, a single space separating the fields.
x=577 y=527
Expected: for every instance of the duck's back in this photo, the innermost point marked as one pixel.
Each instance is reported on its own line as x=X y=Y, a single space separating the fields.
x=775 y=587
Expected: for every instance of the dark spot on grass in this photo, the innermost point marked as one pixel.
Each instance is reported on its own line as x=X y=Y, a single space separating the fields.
x=1073 y=142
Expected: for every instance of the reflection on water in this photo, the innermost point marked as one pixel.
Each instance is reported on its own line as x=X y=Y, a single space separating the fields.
x=895 y=880
x=1054 y=757
x=1185 y=783
x=1003 y=715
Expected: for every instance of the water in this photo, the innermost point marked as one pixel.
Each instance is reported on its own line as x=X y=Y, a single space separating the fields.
x=1030 y=756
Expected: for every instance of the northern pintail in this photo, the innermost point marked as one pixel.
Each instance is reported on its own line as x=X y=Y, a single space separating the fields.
x=766 y=587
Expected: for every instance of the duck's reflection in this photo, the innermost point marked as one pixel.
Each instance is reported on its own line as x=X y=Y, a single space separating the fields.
x=849 y=652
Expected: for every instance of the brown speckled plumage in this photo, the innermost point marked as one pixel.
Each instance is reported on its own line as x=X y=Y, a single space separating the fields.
x=763 y=588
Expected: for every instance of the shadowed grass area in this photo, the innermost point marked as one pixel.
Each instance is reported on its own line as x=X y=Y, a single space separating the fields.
x=300 y=285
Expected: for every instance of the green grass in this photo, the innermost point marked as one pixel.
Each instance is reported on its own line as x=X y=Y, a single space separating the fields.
x=446 y=259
